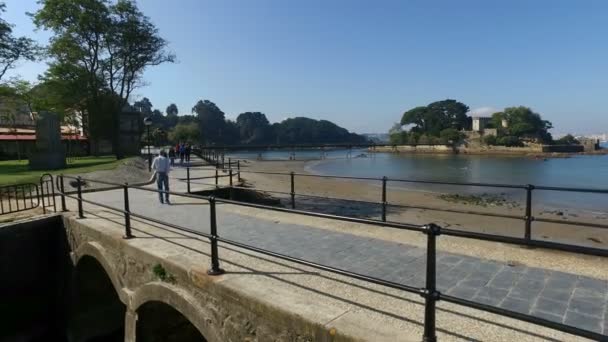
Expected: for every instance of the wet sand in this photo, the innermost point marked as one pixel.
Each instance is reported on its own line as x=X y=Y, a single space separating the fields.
x=400 y=200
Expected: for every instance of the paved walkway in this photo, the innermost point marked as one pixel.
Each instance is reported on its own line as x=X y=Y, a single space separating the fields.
x=562 y=297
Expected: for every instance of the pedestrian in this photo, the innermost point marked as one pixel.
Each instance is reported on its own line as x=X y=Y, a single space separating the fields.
x=161 y=167
x=188 y=151
x=182 y=153
x=172 y=155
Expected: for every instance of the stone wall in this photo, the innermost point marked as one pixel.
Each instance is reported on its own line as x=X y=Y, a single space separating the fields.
x=219 y=312
x=35 y=267
x=471 y=149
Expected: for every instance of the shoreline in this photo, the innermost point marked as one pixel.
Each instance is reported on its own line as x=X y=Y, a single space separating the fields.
x=496 y=151
x=360 y=198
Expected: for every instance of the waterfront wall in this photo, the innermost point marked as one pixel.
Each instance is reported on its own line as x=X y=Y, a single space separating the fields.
x=480 y=149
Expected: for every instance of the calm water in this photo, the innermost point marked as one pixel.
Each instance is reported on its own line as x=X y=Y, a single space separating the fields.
x=578 y=171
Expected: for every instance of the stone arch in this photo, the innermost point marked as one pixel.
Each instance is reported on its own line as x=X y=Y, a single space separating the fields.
x=96 y=311
x=98 y=252
x=180 y=300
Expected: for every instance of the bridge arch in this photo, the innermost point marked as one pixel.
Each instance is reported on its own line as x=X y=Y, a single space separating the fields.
x=162 y=299
x=96 y=310
x=98 y=252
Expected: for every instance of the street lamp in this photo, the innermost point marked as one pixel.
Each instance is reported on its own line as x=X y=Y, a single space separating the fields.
x=148 y=123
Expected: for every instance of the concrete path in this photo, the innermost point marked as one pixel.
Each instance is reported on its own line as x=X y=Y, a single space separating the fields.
x=568 y=298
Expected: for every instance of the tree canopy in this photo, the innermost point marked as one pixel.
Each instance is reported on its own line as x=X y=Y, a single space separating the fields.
x=103 y=48
x=437 y=116
x=523 y=123
x=12 y=48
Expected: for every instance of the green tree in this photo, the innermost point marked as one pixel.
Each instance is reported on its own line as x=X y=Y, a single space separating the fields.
x=13 y=49
x=108 y=46
x=301 y=130
x=568 y=139
x=522 y=122
x=212 y=122
x=416 y=116
x=172 y=109
x=185 y=132
x=450 y=136
x=254 y=128
x=144 y=106
x=437 y=116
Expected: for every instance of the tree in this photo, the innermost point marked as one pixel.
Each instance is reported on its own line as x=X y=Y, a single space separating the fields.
x=450 y=136
x=13 y=49
x=171 y=119
x=568 y=139
x=437 y=116
x=522 y=122
x=254 y=128
x=172 y=109
x=416 y=116
x=301 y=130
x=108 y=45
x=143 y=106
x=211 y=121
x=185 y=132
x=10 y=106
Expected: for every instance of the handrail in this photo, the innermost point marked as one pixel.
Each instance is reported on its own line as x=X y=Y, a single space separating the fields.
x=429 y=292
x=18 y=194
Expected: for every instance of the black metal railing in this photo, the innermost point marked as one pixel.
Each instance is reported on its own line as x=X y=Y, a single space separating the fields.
x=19 y=197
x=527 y=218
x=429 y=292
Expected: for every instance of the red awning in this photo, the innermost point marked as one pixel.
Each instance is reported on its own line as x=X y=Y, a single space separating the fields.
x=29 y=137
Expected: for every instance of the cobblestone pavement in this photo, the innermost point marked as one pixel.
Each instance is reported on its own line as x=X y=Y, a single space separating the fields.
x=562 y=297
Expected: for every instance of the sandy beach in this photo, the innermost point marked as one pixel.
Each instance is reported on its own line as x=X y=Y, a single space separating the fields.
x=347 y=196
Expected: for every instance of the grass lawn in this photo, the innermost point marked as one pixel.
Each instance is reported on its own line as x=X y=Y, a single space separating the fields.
x=14 y=171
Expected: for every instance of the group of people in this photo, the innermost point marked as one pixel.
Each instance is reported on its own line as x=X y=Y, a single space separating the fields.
x=181 y=150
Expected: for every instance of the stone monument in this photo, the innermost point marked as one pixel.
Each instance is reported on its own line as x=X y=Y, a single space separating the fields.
x=49 y=153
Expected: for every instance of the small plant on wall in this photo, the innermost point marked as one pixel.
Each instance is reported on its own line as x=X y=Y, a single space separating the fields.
x=161 y=273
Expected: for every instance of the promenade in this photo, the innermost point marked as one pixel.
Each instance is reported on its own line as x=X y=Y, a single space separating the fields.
x=566 y=297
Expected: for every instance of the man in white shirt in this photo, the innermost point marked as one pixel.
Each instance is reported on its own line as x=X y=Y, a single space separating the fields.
x=161 y=165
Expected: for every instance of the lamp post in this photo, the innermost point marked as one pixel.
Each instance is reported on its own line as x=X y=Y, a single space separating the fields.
x=148 y=123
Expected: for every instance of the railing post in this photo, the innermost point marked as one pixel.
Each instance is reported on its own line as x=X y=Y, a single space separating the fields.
x=223 y=162
x=188 y=178
x=128 y=234
x=216 y=178
x=41 y=198
x=231 y=190
x=528 y=217
x=384 y=204
x=238 y=170
x=430 y=293
x=215 y=262
x=229 y=163
x=62 y=188
x=293 y=190
x=79 y=192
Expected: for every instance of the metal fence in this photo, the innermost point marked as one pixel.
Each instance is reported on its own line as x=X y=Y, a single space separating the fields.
x=429 y=292
x=527 y=218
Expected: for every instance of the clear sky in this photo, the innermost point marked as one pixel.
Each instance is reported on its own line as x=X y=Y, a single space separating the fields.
x=361 y=64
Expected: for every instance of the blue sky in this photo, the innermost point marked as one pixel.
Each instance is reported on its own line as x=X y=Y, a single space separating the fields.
x=361 y=64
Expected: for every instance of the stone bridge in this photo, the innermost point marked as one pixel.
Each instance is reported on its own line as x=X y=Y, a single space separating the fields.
x=155 y=286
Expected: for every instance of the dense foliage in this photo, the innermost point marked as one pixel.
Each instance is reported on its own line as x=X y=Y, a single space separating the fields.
x=522 y=123
x=100 y=49
x=444 y=122
x=12 y=48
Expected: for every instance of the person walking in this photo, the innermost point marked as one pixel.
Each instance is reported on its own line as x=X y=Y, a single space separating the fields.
x=188 y=151
x=182 y=153
x=161 y=167
x=172 y=155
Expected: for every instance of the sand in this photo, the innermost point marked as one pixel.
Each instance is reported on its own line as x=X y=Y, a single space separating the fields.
x=401 y=200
